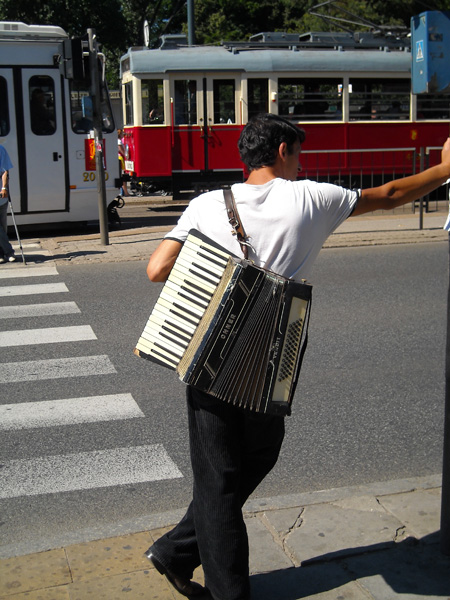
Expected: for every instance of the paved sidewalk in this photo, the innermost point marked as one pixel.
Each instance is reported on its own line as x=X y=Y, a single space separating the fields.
x=378 y=542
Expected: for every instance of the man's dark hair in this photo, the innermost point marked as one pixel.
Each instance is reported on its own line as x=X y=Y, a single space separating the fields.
x=261 y=137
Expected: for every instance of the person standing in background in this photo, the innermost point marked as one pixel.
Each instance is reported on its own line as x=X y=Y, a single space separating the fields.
x=6 y=250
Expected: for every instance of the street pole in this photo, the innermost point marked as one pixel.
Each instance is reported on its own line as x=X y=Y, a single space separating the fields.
x=445 y=501
x=98 y=137
x=191 y=22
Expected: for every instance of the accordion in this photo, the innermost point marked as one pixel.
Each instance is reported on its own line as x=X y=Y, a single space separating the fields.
x=229 y=328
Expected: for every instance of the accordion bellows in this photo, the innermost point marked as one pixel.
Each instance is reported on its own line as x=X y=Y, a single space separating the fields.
x=229 y=328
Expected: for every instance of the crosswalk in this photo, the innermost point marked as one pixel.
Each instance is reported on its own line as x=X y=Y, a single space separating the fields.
x=23 y=291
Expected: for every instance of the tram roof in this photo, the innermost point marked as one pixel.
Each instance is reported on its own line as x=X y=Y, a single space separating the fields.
x=266 y=57
x=17 y=30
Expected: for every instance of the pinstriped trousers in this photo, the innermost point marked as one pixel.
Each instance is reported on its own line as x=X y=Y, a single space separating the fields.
x=231 y=452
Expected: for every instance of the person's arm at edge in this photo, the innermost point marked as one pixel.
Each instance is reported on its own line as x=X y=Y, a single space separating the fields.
x=163 y=259
x=401 y=191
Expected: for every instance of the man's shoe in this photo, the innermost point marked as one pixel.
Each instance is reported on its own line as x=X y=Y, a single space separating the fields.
x=2 y=260
x=186 y=587
x=11 y=258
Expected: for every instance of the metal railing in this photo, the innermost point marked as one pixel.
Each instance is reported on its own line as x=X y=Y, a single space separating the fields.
x=363 y=168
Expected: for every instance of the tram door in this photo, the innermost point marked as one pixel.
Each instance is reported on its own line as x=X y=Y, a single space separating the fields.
x=44 y=140
x=8 y=129
x=32 y=130
x=188 y=151
x=206 y=124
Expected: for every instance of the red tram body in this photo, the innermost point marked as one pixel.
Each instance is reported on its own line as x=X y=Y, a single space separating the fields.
x=185 y=106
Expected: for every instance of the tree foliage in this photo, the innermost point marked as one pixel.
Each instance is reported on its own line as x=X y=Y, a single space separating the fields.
x=120 y=23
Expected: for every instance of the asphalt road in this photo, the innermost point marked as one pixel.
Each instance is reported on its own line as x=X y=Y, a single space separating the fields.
x=369 y=406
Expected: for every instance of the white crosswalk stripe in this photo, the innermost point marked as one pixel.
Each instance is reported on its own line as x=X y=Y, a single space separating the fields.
x=38 y=310
x=47 y=335
x=27 y=272
x=50 y=413
x=88 y=470
x=35 y=288
x=55 y=368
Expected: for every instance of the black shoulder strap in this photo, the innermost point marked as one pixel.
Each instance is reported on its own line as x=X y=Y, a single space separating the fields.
x=235 y=222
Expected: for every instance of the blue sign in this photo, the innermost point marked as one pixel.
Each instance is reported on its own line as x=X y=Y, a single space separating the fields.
x=430 y=49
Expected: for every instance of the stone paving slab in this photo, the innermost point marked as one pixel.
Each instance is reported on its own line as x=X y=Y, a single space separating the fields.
x=420 y=512
x=33 y=572
x=329 y=530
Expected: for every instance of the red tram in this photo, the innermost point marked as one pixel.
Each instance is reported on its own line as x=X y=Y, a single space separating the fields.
x=184 y=106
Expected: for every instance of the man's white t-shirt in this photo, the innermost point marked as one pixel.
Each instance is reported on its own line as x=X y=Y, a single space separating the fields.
x=287 y=222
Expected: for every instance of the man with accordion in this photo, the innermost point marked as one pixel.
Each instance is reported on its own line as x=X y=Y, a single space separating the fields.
x=232 y=449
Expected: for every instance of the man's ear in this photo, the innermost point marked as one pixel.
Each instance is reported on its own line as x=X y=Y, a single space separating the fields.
x=283 y=150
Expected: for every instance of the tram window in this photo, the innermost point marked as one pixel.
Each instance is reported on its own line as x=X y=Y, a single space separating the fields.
x=433 y=106
x=42 y=105
x=224 y=105
x=152 y=101
x=82 y=108
x=258 y=97
x=302 y=99
x=128 y=95
x=185 y=102
x=4 y=111
x=386 y=99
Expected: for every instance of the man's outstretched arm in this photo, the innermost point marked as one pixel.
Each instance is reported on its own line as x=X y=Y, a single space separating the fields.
x=408 y=189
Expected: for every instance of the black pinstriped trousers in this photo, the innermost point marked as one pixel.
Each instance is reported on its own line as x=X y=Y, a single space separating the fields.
x=231 y=452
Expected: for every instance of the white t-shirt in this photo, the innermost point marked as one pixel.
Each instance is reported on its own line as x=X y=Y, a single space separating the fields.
x=287 y=221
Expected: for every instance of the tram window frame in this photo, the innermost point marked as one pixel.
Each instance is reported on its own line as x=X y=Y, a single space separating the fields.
x=224 y=101
x=433 y=107
x=379 y=98
x=257 y=96
x=5 y=126
x=186 y=106
x=152 y=99
x=41 y=91
x=310 y=93
x=128 y=101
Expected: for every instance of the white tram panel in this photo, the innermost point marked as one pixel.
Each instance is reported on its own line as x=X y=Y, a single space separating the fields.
x=54 y=178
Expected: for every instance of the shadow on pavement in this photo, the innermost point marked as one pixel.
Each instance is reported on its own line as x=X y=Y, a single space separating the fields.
x=413 y=568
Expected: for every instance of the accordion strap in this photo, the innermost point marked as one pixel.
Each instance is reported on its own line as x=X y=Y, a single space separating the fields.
x=235 y=221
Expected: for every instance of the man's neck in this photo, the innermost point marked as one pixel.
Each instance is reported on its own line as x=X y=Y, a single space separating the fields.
x=261 y=176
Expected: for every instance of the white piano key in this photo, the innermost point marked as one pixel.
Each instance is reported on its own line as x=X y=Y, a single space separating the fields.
x=185 y=328
x=174 y=297
x=197 y=242
x=175 y=311
x=189 y=286
x=183 y=273
x=181 y=291
x=210 y=265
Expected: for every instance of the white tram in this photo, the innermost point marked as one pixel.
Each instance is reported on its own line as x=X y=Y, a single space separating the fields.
x=46 y=127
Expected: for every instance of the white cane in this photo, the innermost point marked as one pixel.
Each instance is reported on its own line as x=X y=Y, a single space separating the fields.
x=15 y=227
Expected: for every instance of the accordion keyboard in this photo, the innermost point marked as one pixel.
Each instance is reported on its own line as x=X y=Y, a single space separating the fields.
x=182 y=302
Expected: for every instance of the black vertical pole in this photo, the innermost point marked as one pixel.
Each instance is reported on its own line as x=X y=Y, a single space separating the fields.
x=98 y=137
x=445 y=503
x=191 y=22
